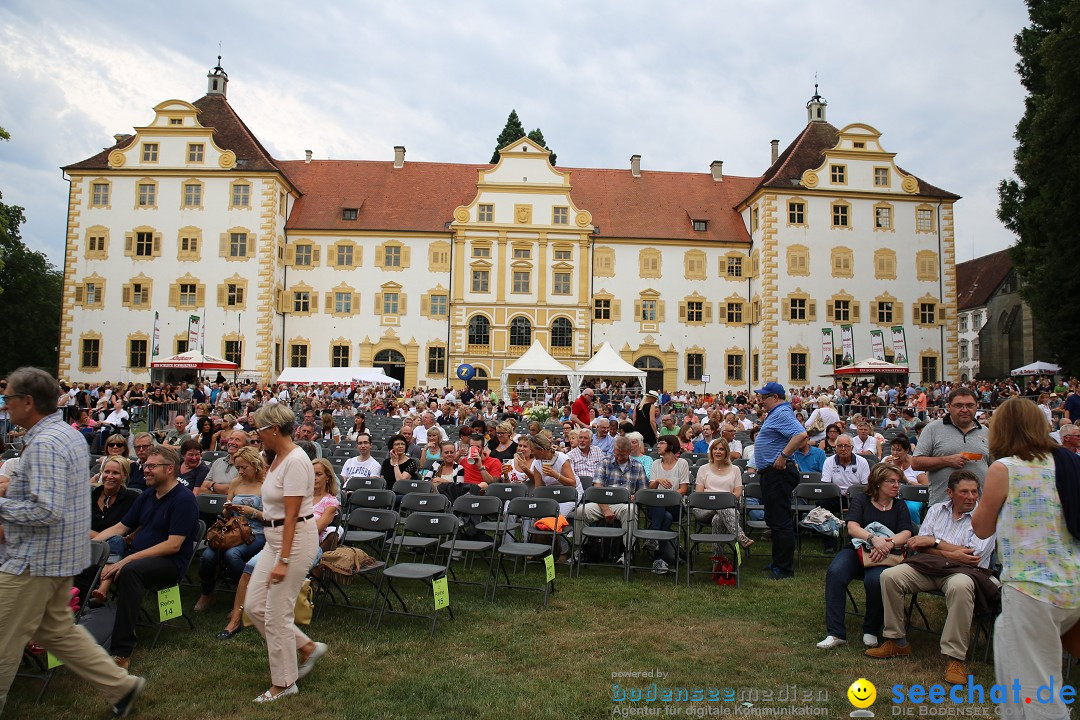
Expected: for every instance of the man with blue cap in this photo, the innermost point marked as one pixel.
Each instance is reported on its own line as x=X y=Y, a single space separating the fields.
x=780 y=436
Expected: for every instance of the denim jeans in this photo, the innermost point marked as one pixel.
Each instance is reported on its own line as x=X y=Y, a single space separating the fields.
x=662 y=518
x=234 y=559
x=844 y=568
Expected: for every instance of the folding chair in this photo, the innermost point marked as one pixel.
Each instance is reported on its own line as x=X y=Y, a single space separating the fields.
x=808 y=477
x=149 y=615
x=560 y=494
x=404 y=487
x=418 y=502
x=715 y=501
x=531 y=508
x=808 y=496
x=344 y=451
x=363 y=483
x=209 y=456
x=505 y=492
x=361 y=502
x=373 y=524
x=602 y=533
x=752 y=501
x=645 y=499
x=211 y=503
x=432 y=526
x=99 y=555
x=475 y=507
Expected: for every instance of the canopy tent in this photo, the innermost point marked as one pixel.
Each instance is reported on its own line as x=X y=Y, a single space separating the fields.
x=536 y=362
x=606 y=363
x=1037 y=368
x=335 y=376
x=193 y=360
x=871 y=366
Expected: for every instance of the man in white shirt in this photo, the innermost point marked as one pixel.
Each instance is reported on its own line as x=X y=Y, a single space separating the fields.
x=362 y=465
x=427 y=423
x=845 y=469
x=864 y=442
x=735 y=447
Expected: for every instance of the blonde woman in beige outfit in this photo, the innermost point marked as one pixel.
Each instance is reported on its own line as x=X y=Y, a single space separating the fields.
x=292 y=540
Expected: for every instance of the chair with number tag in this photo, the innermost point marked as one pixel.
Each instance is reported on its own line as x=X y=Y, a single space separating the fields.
x=437 y=527
x=529 y=508
x=474 y=509
x=368 y=527
x=166 y=605
x=715 y=502
x=603 y=534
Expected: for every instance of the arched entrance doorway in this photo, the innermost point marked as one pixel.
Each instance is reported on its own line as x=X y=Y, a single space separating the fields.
x=654 y=372
x=392 y=363
x=479 y=381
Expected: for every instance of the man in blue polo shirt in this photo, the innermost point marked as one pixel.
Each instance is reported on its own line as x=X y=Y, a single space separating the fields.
x=166 y=516
x=780 y=436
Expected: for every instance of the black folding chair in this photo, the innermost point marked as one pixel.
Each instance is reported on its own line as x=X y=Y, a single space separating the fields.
x=715 y=501
x=603 y=533
x=645 y=499
x=433 y=526
x=530 y=508
x=372 y=524
x=808 y=496
x=475 y=508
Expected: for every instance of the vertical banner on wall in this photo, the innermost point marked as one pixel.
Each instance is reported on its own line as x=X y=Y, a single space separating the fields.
x=848 y=342
x=202 y=334
x=156 y=347
x=827 y=351
x=193 y=324
x=877 y=343
x=899 y=345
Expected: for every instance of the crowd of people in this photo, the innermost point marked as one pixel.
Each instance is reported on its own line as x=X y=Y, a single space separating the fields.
x=986 y=454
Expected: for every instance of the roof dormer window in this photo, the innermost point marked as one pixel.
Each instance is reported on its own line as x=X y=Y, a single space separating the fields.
x=350 y=213
x=701 y=225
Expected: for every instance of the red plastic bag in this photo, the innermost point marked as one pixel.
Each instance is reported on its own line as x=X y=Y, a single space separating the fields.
x=723 y=570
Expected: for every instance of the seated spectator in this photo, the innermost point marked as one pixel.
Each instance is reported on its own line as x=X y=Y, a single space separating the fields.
x=222 y=470
x=1070 y=437
x=704 y=442
x=245 y=499
x=503 y=446
x=945 y=533
x=329 y=432
x=446 y=471
x=901 y=460
x=115 y=447
x=111 y=500
x=479 y=469
x=828 y=443
x=637 y=451
x=670 y=472
x=206 y=434
x=362 y=464
x=176 y=437
x=686 y=437
x=359 y=426
x=551 y=467
x=165 y=517
x=603 y=441
x=845 y=469
x=398 y=465
x=586 y=457
x=879 y=504
x=727 y=431
x=193 y=470
x=865 y=442
x=809 y=457
x=618 y=470
x=114 y=423
x=721 y=476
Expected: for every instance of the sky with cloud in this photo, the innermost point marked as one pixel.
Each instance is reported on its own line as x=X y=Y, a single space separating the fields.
x=682 y=85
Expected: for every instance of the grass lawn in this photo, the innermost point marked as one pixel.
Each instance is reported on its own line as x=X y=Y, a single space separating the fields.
x=507 y=660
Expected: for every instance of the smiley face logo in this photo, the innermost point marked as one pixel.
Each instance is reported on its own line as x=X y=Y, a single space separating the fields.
x=862 y=693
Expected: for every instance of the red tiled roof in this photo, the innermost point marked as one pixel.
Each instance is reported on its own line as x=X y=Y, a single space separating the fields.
x=230 y=133
x=422 y=196
x=976 y=280
x=807 y=151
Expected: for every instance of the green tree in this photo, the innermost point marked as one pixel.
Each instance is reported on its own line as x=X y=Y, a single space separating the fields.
x=1041 y=205
x=514 y=131
x=29 y=301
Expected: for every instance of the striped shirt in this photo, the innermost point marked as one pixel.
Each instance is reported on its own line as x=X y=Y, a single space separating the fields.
x=585 y=464
x=46 y=514
x=631 y=476
x=779 y=427
x=939 y=524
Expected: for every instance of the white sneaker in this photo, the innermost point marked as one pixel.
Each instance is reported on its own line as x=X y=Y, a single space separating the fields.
x=869 y=640
x=831 y=641
x=660 y=567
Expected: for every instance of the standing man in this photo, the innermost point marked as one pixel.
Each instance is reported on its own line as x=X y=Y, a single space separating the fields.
x=581 y=410
x=956 y=441
x=780 y=436
x=45 y=512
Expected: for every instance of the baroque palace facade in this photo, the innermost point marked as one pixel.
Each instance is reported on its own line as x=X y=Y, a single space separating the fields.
x=418 y=267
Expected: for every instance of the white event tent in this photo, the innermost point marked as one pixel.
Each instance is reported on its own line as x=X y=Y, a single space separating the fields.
x=605 y=363
x=335 y=376
x=536 y=362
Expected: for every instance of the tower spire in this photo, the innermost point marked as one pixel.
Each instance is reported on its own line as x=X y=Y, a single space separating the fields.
x=217 y=79
x=815 y=108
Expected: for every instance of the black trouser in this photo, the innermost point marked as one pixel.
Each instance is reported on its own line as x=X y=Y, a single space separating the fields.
x=776 y=489
x=131 y=584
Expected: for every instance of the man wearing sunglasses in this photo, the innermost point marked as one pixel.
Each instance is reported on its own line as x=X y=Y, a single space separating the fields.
x=45 y=512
